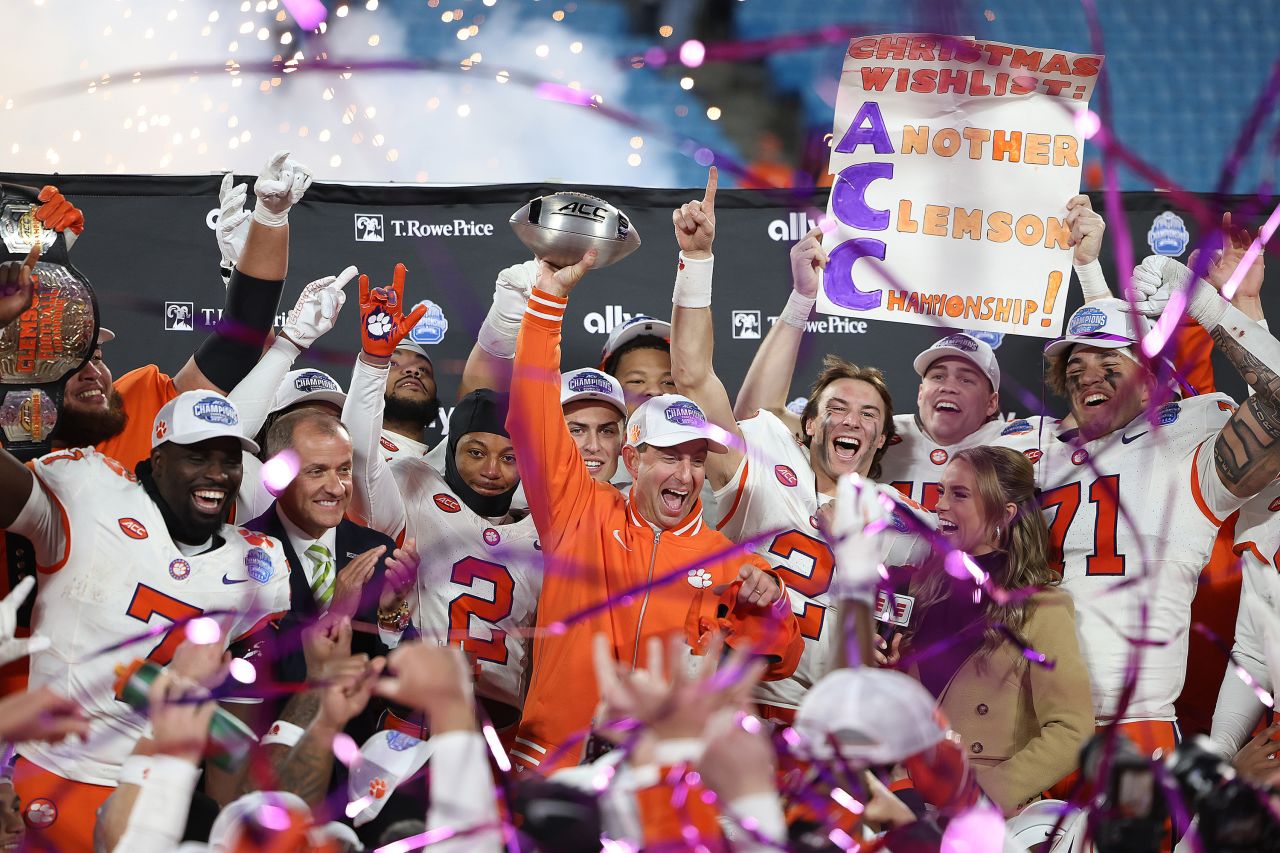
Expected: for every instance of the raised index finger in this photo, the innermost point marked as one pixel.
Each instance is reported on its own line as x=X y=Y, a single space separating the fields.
x=29 y=262
x=709 y=197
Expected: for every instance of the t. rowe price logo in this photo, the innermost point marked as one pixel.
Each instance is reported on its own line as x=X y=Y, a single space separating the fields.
x=602 y=324
x=793 y=228
x=456 y=228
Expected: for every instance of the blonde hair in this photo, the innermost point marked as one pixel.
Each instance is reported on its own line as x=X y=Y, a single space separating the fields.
x=1003 y=476
x=835 y=368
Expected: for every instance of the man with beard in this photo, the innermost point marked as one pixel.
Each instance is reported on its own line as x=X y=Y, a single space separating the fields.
x=764 y=482
x=119 y=554
x=410 y=403
x=1135 y=493
x=249 y=313
x=480 y=582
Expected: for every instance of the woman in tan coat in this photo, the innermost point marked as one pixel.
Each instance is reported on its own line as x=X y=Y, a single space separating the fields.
x=1007 y=670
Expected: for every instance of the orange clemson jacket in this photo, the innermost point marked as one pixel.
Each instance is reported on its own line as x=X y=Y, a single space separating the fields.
x=607 y=570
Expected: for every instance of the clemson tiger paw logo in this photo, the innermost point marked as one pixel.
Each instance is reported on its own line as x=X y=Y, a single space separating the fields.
x=378 y=324
x=699 y=578
x=162 y=429
x=378 y=788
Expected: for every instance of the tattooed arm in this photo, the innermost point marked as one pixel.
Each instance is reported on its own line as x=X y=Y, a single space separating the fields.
x=1247 y=452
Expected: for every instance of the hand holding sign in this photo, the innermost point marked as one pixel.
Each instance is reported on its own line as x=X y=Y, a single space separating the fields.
x=807 y=258
x=695 y=222
x=1087 y=228
x=382 y=322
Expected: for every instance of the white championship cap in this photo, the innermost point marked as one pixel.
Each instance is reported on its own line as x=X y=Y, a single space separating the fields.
x=306 y=385
x=976 y=352
x=877 y=716
x=641 y=324
x=195 y=416
x=668 y=420
x=587 y=383
x=418 y=348
x=1103 y=323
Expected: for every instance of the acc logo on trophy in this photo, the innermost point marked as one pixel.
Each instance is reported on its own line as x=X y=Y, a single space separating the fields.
x=179 y=316
x=746 y=325
x=369 y=228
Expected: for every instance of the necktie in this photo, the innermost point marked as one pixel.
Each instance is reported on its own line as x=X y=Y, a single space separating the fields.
x=323 y=577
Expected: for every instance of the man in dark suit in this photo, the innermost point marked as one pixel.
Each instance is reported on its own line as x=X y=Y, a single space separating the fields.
x=337 y=567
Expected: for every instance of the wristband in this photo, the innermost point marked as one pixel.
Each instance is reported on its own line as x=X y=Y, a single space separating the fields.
x=169 y=771
x=678 y=751
x=134 y=769
x=283 y=733
x=1093 y=284
x=498 y=334
x=797 y=311
x=272 y=220
x=693 y=282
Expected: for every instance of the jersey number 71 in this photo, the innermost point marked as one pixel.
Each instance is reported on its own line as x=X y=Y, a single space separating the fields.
x=1103 y=494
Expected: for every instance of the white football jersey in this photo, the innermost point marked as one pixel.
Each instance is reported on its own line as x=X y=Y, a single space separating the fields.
x=774 y=490
x=395 y=446
x=477 y=580
x=913 y=462
x=1132 y=519
x=108 y=572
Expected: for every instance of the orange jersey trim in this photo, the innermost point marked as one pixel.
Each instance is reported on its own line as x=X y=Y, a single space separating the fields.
x=737 y=496
x=1195 y=489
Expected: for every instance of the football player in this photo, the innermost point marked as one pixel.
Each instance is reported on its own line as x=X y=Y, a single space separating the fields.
x=769 y=485
x=1136 y=490
x=120 y=557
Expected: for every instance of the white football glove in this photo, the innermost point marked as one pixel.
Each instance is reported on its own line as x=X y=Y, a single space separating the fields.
x=1158 y=277
x=511 y=293
x=855 y=531
x=233 y=220
x=279 y=187
x=316 y=310
x=12 y=648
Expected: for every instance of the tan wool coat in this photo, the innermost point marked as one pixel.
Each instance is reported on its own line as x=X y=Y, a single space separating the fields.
x=1022 y=723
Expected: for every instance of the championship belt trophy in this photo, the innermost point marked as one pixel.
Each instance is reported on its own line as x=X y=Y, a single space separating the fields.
x=50 y=341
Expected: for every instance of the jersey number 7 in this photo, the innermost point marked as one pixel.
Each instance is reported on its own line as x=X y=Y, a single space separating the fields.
x=1103 y=494
x=148 y=602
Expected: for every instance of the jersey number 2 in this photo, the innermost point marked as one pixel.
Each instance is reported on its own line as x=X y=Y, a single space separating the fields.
x=490 y=610
x=785 y=546
x=148 y=602
x=1103 y=494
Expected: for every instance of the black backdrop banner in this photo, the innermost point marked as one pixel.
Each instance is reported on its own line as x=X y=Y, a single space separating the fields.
x=149 y=250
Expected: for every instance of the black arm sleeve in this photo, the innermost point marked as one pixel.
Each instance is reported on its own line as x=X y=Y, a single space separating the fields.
x=235 y=346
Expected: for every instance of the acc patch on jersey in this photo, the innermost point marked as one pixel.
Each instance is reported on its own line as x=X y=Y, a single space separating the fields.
x=1017 y=427
x=258 y=565
x=1275 y=505
x=133 y=528
x=387 y=444
x=1168 y=413
x=1033 y=455
x=448 y=503
x=785 y=475
x=179 y=569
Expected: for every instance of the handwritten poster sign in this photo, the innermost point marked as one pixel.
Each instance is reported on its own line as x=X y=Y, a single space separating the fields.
x=954 y=160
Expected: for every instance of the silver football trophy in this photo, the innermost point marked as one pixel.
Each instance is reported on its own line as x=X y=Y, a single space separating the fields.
x=49 y=342
x=561 y=227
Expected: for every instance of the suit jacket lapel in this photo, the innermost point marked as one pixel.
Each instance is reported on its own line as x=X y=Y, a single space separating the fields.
x=303 y=602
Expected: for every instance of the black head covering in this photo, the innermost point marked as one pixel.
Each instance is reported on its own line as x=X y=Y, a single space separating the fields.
x=482 y=410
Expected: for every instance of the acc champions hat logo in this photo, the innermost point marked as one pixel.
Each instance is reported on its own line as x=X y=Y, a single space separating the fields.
x=1086 y=321
x=432 y=326
x=960 y=342
x=314 y=380
x=685 y=413
x=590 y=382
x=215 y=410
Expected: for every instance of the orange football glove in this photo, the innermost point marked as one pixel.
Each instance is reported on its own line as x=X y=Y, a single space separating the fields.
x=382 y=322
x=58 y=213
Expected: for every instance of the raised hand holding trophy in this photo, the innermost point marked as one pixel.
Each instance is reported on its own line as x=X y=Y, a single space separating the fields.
x=54 y=337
